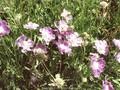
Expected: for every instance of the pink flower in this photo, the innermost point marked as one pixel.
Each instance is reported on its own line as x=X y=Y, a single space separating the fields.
x=117 y=57
x=74 y=40
x=66 y=15
x=97 y=64
x=63 y=47
x=4 y=28
x=24 y=43
x=31 y=25
x=107 y=85
x=116 y=43
x=40 y=49
x=47 y=34
x=102 y=47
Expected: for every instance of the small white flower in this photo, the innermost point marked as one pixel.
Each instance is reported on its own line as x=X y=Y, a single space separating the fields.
x=62 y=26
x=18 y=17
x=104 y=4
x=31 y=25
x=59 y=82
x=101 y=46
x=66 y=15
x=117 y=57
x=117 y=43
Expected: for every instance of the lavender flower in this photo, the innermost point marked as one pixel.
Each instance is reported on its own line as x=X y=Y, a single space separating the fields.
x=31 y=25
x=107 y=85
x=97 y=64
x=40 y=49
x=24 y=43
x=116 y=43
x=66 y=15
x=117 y=57
x=63 y=47
x=101 y=46
x=47 y=34
x=73 y=39
x=4 y=28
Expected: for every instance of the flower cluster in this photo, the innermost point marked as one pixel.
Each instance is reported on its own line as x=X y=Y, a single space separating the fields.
x=62 y=36
x=96 y=59
x=97 y=62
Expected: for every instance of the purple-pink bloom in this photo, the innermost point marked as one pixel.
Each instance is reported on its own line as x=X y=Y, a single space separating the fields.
x=102 y=47
x=40 y=49
x=47 y=34
x=116 y=43
x=4 y=28
x=31 y=25
x=97 y=64
x=73 y=39
x=107 y=85
x=117 y=57
x=24 y=43
x=63 y=47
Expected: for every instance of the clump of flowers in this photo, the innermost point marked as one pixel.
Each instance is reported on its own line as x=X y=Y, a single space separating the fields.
x=62 y=39
x=63 y=36
x=97 y=62
x=4 y=28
